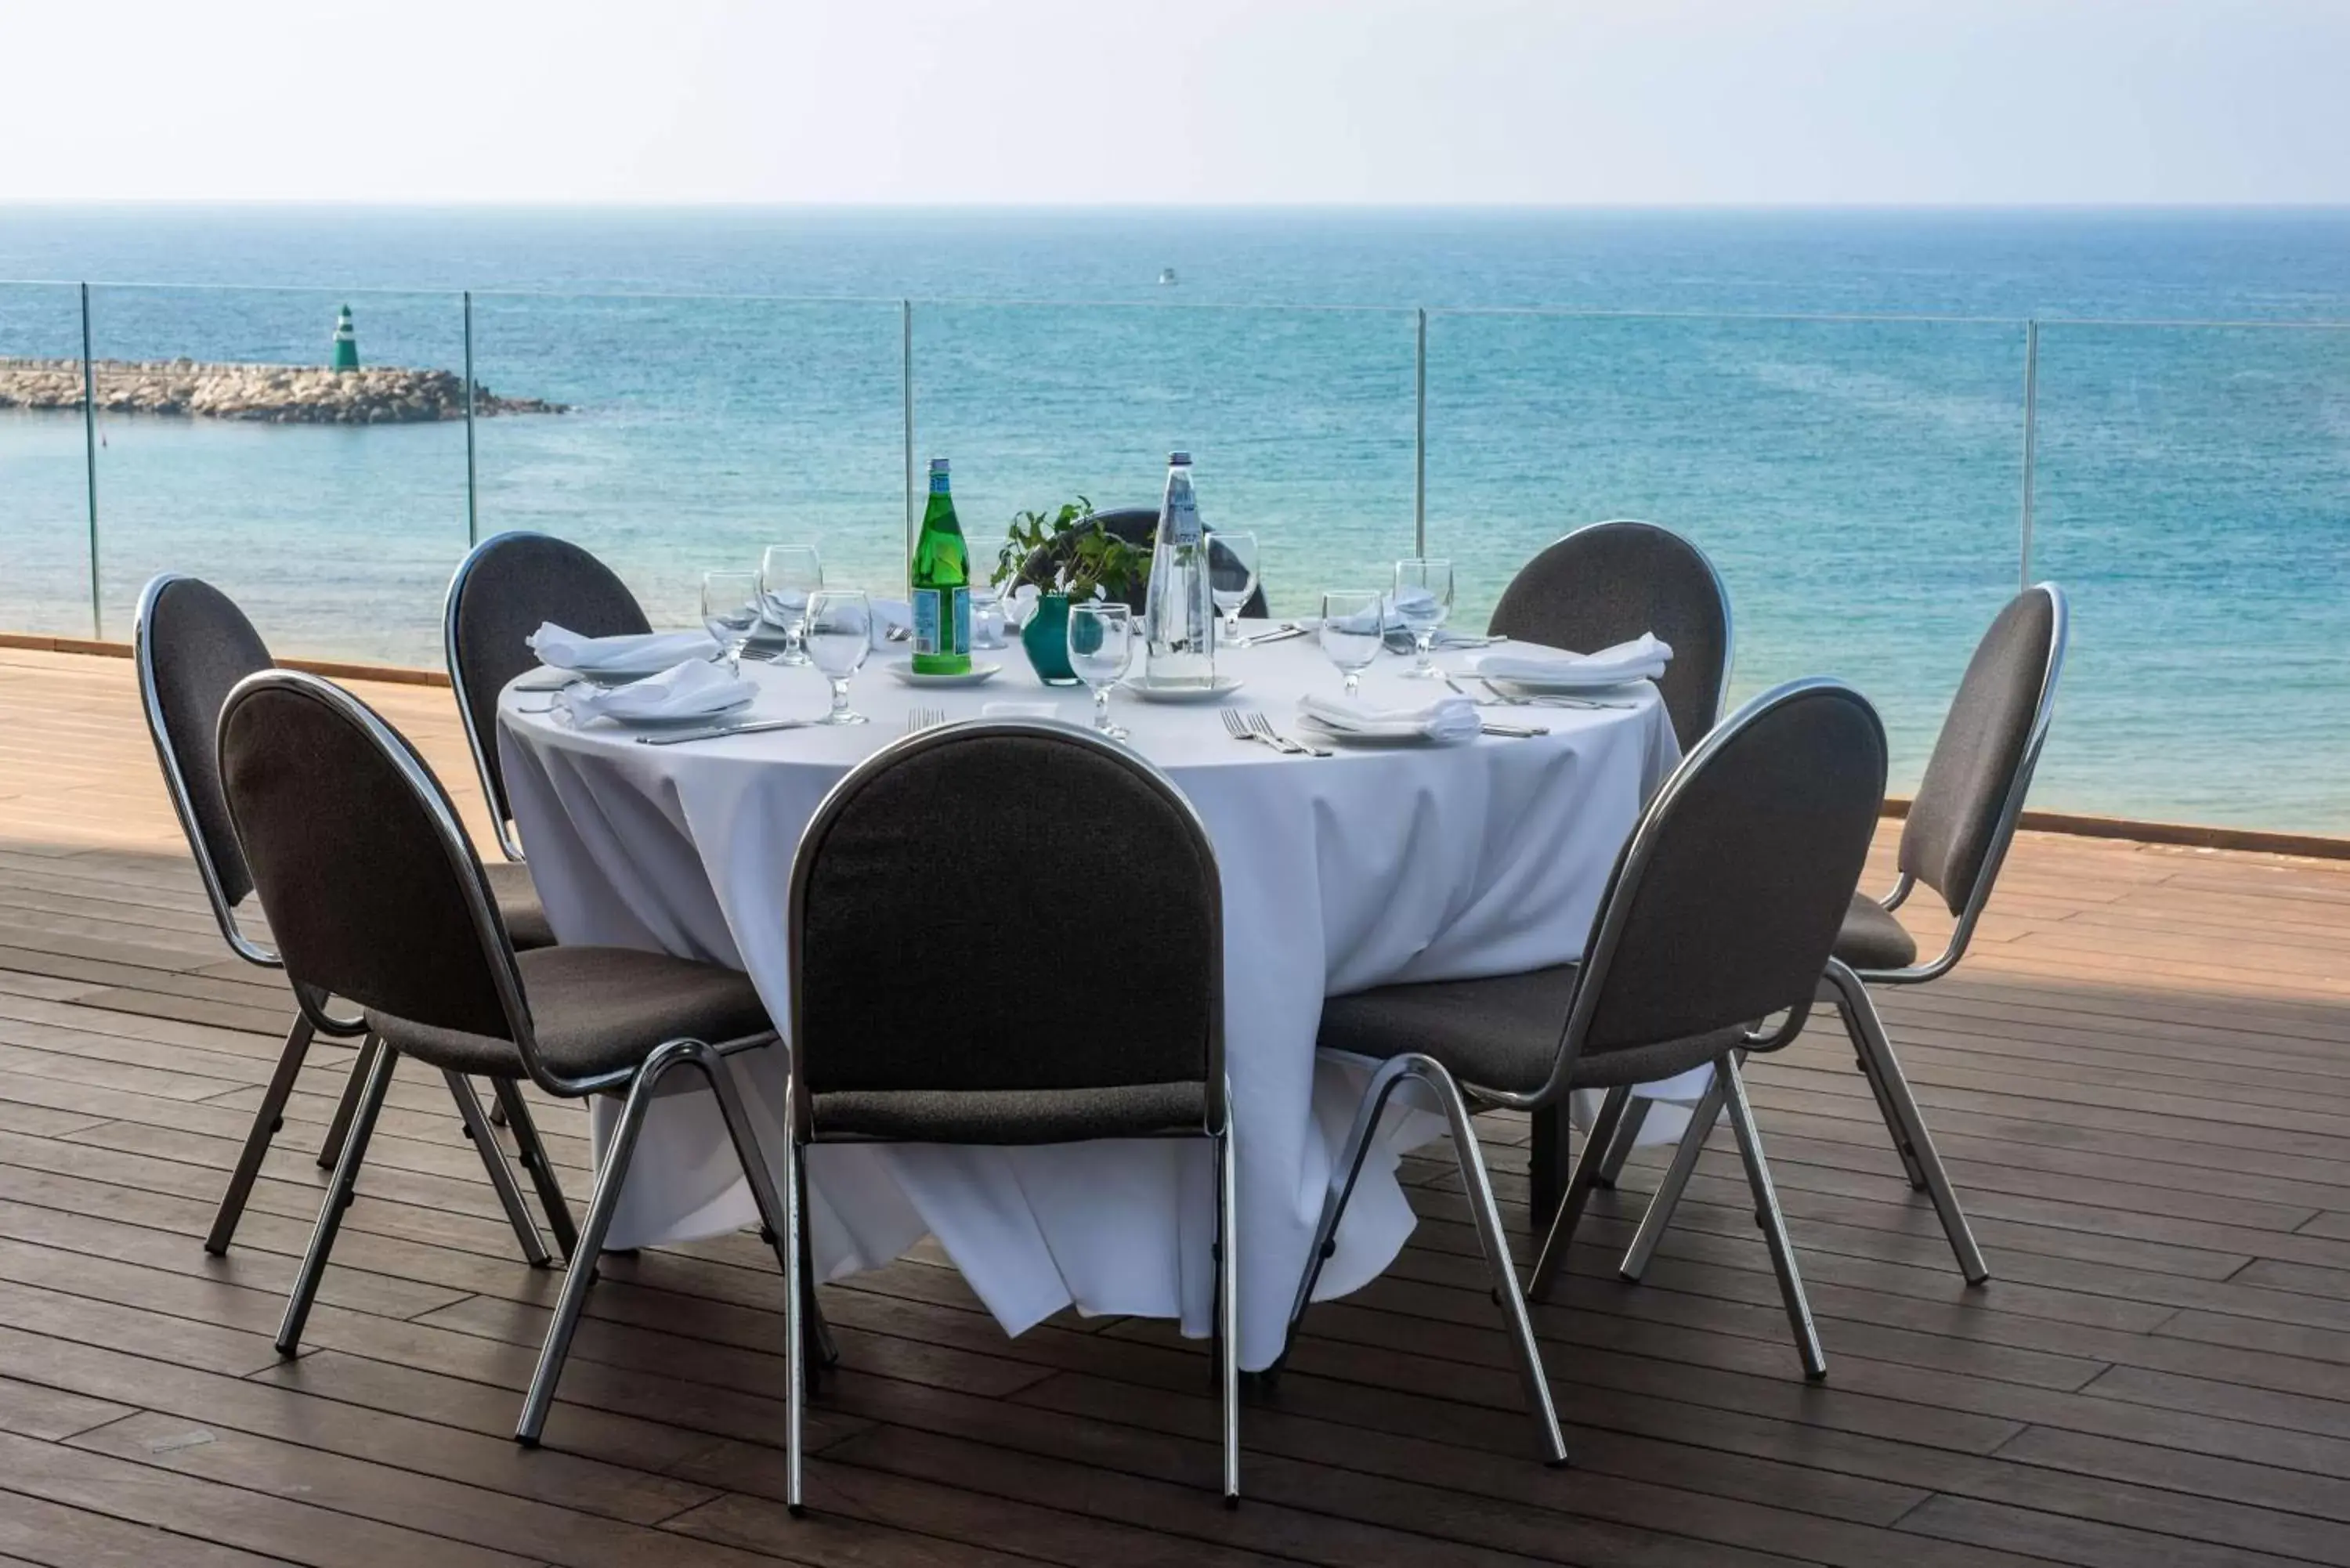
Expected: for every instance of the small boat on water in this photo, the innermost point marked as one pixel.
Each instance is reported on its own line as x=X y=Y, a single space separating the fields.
x=1166 y=274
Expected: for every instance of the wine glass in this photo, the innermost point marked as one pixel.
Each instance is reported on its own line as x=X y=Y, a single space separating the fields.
x=1423 y=600
x=1101 y=650
x=1228 y=553
x=1350 y=631
x=840 y=636
x=730 y=611
x=788 y=574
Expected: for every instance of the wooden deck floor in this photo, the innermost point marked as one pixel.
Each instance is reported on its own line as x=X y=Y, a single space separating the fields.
x=2142 y=1080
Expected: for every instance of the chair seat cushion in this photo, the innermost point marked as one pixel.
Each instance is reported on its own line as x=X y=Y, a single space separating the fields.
x=596 y=1009
x=518 y=904
x=1499 y=1033
x=1872 y=938
x=1011 y=1115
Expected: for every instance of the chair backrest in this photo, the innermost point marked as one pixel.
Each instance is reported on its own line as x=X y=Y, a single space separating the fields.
x=1725 y=903
x=1138 y=526
x=192 y=645
x=372 y=891
x=1965 y=812
x=501 y=593
x=1609 y=582
x=1005 y=905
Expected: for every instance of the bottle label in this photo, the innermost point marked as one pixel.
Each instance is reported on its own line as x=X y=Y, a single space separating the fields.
x=961 y=622
x=1183 y=527
x=926 y=621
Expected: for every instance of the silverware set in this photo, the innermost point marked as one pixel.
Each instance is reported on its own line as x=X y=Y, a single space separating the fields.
x=714 y=732
x=920 y=719
x=1258 y=728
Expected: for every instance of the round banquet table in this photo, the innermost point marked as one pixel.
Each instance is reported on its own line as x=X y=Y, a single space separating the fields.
x=1365 y=869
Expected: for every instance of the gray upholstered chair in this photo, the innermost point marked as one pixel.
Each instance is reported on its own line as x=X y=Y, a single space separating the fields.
x=503 y=588
x=190 y=646
x=1604 y=584
x=376 y=895
x=889 y=1044
x=1721 y=912
x=1957 y=834
x=1139 y=525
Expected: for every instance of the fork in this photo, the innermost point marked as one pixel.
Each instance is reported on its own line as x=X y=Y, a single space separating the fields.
x=920 y=719
x=1259 y=725
x=1237 y=728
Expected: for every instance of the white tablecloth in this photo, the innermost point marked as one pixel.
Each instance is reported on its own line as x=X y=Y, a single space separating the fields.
x=1368 y=867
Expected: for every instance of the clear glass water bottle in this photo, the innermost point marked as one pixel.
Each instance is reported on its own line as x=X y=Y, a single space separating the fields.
x=1179 y=611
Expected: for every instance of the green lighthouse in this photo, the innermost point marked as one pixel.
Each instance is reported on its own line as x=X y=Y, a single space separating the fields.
x=347 y=342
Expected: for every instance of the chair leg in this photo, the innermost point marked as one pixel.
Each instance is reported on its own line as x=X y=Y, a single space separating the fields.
x=828 y=1353
x=484 y=1139
x=1912 y=1135
x=1668 y=1195
x=531 y=1152
x=1627 y=1137
x=266 y=1120
x=1344 y=1171
x=1580 y=1180
x=1227 y=1314
x=1848 y=1013
x=589 y=1246
x=1774 y=1224
x=330 y=1152
x=1495 y=1242
x=340 y=1190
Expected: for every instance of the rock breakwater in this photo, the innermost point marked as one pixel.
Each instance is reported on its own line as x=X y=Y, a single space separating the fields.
x=272 y=394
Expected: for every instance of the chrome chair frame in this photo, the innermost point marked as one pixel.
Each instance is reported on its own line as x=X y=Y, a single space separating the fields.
x=310 y=1017
x=1460 y=1101
x=1218 y=1126
x=641 y=1083
x=1847 y=989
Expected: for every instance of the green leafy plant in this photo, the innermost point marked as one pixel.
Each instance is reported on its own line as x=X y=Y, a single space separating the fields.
x=1075 y=558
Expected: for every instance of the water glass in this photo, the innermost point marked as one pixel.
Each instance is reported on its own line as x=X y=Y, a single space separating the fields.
x=1423 y=602
x=1351 y=631
x=730 y=612
x=1101 y=650
x=1231 y=577
x=839 y=636
x=788 y=574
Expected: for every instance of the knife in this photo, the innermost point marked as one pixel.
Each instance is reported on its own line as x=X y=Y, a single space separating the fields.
x=716 y=731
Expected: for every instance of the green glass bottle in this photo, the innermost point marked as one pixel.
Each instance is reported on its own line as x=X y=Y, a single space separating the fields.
x=941 y=581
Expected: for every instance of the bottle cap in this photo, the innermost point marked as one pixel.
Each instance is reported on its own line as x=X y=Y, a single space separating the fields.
x=938 y=465
x=1179 y=460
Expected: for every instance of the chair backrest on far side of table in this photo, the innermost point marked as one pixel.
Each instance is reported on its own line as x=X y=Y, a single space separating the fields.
x=1138 y=526
x=1607 y=583
x=371 y=889
x=190 y=646
x=1725 y=903
x=503 y=590
x=1964 y=816
x=1076 y=946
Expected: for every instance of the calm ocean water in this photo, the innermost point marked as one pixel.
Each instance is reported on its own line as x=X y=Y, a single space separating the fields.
x=737 y=377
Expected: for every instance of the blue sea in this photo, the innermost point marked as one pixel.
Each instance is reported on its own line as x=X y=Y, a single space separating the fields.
x=1833 y=403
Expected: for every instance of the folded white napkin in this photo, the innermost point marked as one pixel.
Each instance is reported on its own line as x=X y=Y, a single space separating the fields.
x=1395 y=612
x=686 y=690
x=1018 y=710
x=1642 y=658
x=569 y=650
x=1445 y=719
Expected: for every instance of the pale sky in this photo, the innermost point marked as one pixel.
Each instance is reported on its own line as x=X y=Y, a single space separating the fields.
x=1052 y=102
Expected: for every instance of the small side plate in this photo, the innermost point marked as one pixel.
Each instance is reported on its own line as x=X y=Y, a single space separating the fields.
x=902 y=671
x=1224 y=687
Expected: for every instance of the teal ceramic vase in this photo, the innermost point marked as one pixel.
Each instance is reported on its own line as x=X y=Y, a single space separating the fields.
x=1046 y=640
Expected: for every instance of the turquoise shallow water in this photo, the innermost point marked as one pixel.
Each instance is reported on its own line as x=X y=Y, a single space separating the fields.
x=738 y=383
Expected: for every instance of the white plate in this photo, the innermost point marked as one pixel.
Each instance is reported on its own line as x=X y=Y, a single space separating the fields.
x=1565 y=683
x=1380 y=735
x=615 y=677
x=902 y=671
x=1224 y=687
x=672 y=721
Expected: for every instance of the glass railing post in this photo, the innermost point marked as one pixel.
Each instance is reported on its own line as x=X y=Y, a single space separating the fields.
x=89 y=464
x=473 y=507
x=2031 y=436
x=906 y=394
x=1420 y=440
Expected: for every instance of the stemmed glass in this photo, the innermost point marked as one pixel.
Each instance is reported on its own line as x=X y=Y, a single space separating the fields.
x=1351 y=631
x=730 y=612
x=1101 y=649
x=1240 y=551
x=1423 y=600
x=788 y=574
x=839 y=636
